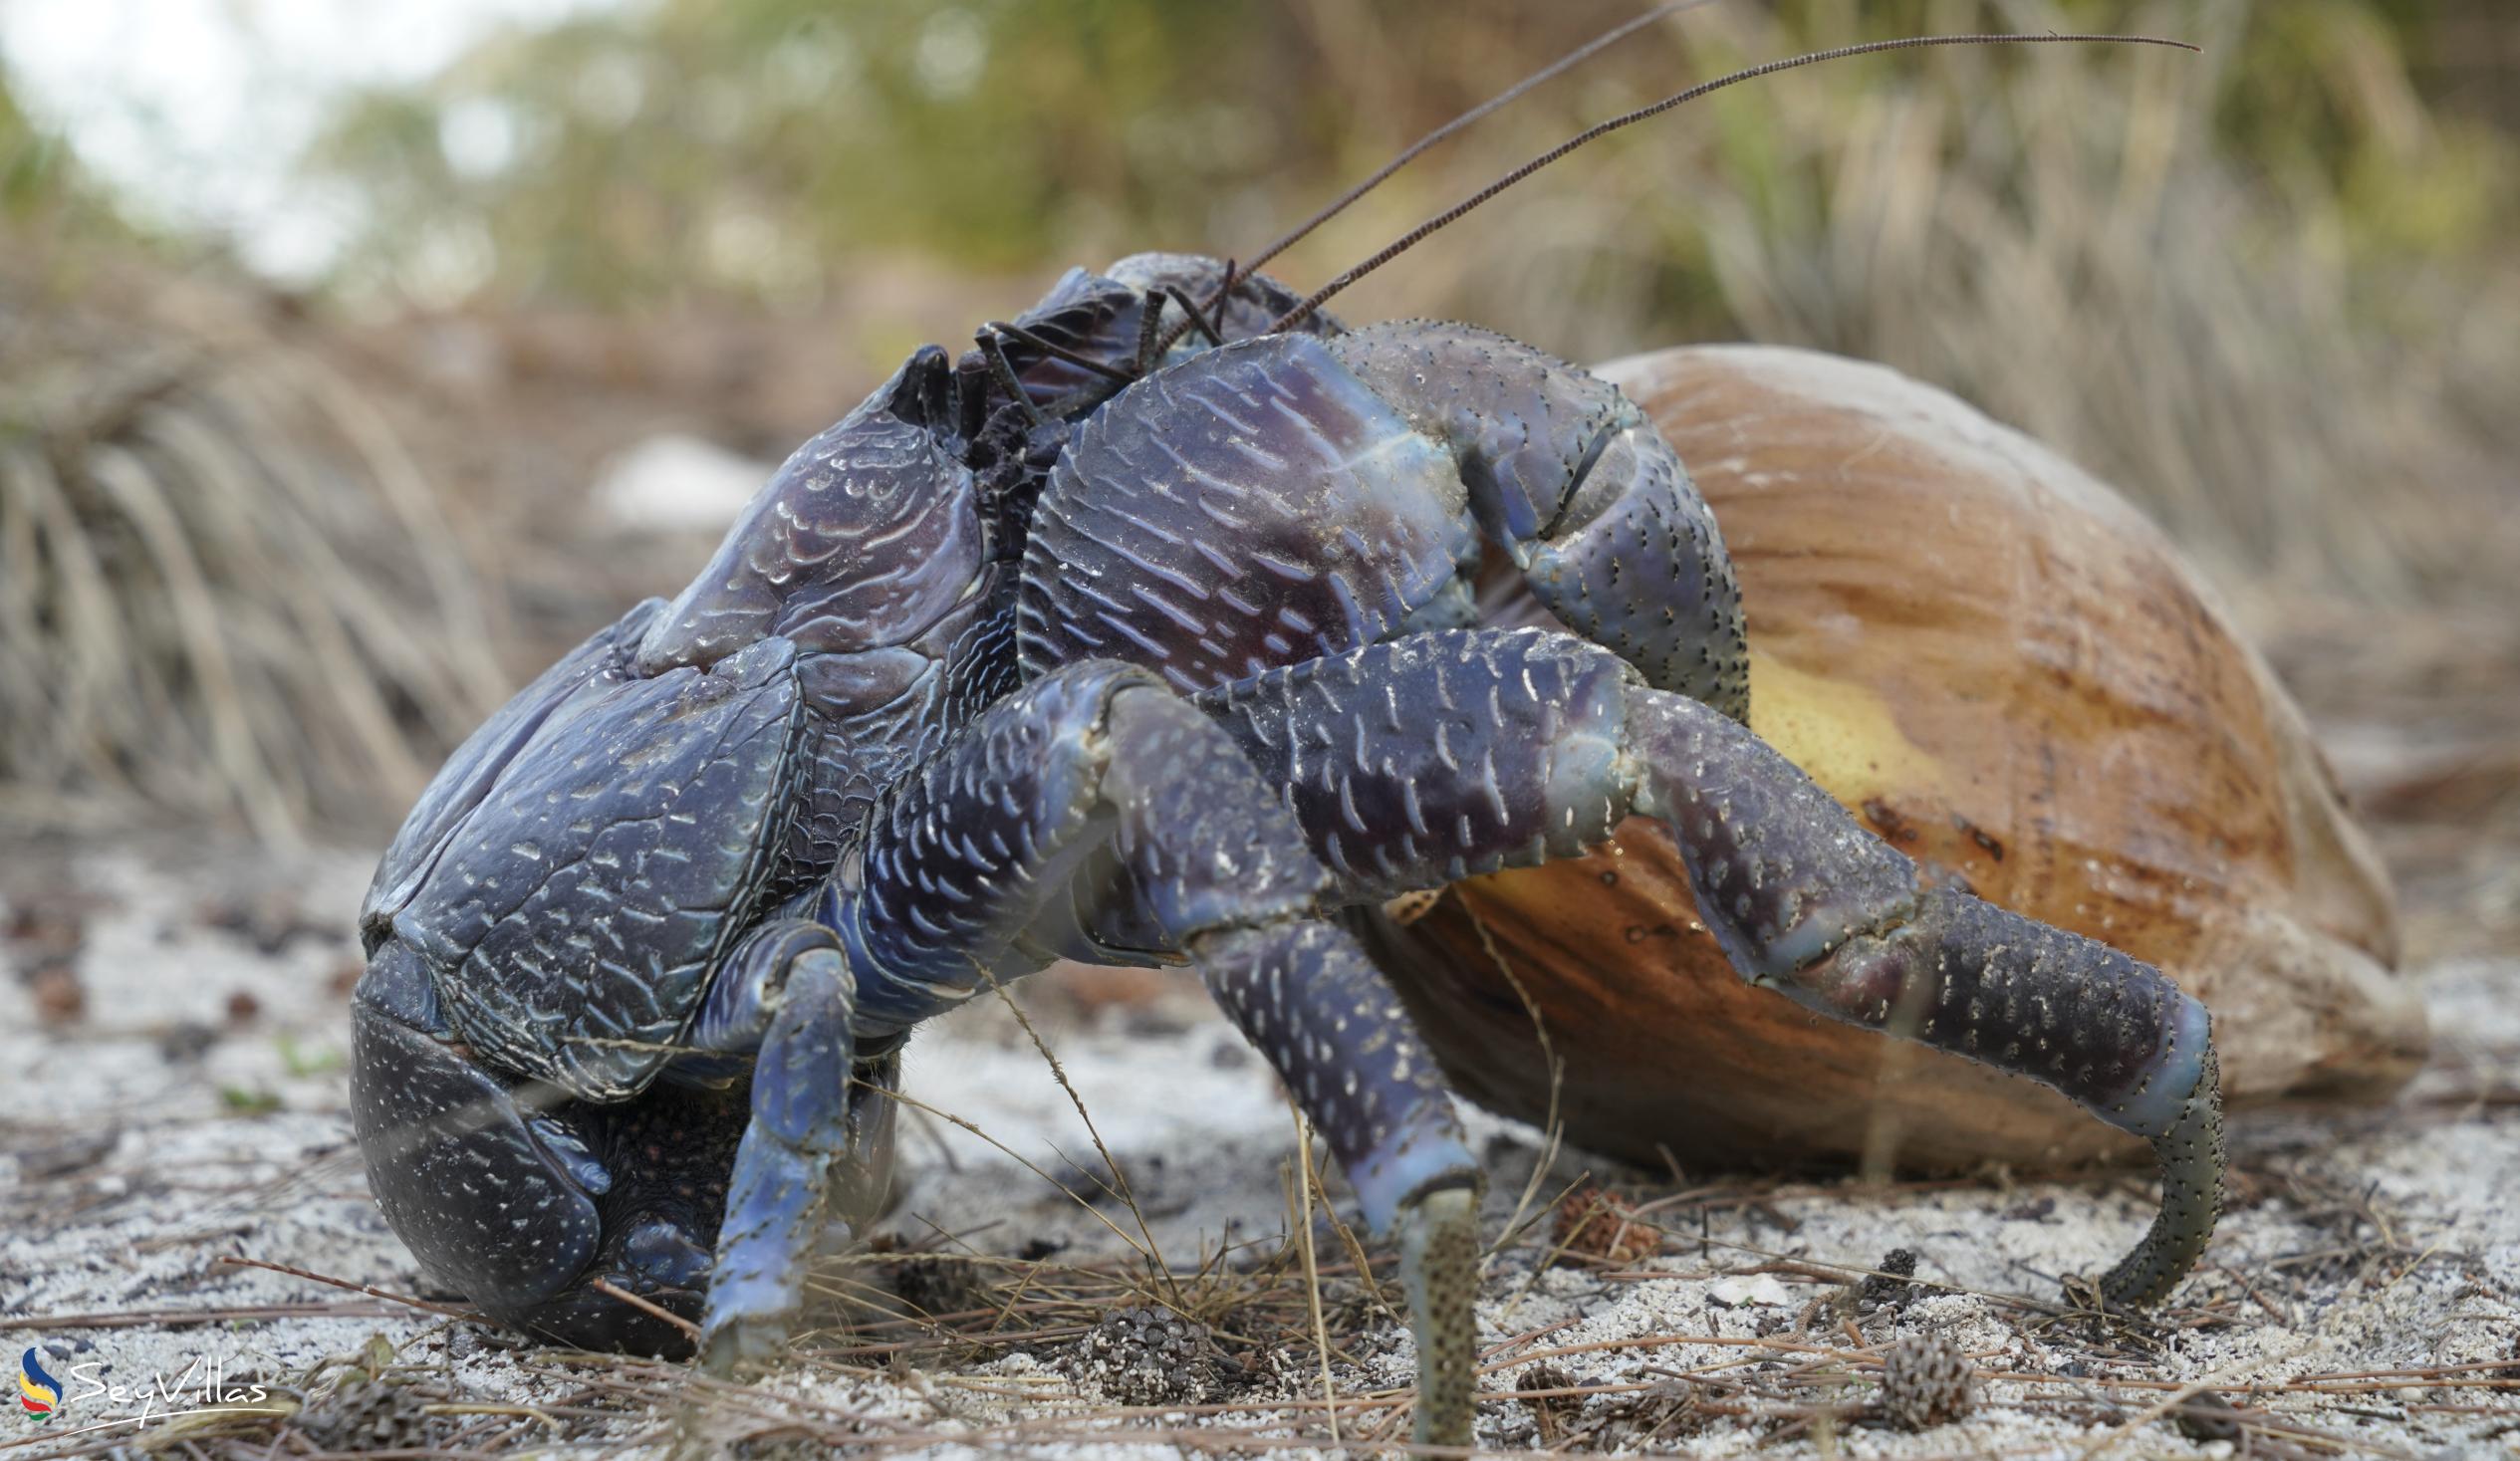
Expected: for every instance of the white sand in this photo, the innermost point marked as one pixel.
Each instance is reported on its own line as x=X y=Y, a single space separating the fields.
x=182 y=1164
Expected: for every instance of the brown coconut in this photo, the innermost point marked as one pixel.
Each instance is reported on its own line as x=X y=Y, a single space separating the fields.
x=2006 y=670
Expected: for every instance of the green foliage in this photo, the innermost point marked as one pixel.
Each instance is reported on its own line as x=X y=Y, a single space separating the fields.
x=39 y=186
x=747 y=148
x=757 y=148
x=247 y=1100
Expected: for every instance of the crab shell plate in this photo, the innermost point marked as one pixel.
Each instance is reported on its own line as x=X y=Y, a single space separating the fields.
x=599 y=856
x=2006 y=671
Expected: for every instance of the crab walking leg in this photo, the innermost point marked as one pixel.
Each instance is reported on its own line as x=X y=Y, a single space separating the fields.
x=1094 y=799
x=797 y=974
x=744 y=1001
x=1419 y=761
x=1289 y=497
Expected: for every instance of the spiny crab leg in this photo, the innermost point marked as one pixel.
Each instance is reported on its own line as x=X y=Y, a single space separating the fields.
x=1117 y=814
x=1968 y=977
x=1520 y=746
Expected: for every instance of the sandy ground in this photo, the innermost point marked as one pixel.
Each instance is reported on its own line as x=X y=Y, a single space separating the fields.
x=172 y=1094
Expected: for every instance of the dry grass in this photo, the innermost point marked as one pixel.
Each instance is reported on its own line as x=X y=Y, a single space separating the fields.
x=2066 y=246
x=1819 y=1376
x=226 y=589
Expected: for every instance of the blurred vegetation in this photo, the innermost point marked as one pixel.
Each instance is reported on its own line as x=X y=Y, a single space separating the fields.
x=42 y=195
x=752 y=148
x=2257 y=287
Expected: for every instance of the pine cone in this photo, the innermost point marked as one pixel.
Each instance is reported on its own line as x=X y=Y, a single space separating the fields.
x=942 y=1284
x=1926 y=1381
x=2206 y=1416
x=1145 y=1355
x=1552 y=1414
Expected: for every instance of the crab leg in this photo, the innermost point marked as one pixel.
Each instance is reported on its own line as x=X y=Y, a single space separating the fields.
x=1095 y=800
x=1419 y=761
x=796 y=974
x=742 y=1008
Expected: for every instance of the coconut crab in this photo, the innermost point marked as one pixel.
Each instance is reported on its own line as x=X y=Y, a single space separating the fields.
x=1115 y=641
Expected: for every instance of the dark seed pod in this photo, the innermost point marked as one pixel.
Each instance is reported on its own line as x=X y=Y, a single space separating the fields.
x=1879 y=1289
x=1551 y=1414
x=1926 y=1381
x=2206 y=1416
x=942 y=1284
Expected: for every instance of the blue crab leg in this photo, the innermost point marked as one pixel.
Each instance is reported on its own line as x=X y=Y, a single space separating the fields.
x=797 y=973
x=1419 y=761
x=743 y=1004
x=1095 y=800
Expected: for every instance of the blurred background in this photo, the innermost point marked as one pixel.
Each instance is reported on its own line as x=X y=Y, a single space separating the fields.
x=356 y=360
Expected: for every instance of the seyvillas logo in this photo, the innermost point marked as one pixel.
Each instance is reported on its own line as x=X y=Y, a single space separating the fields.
x=203 y=1387
x=38 y=1391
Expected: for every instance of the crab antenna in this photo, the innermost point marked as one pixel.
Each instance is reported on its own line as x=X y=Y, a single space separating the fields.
x=1408 y=154
x=1407 y=241
x=1551 y=71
